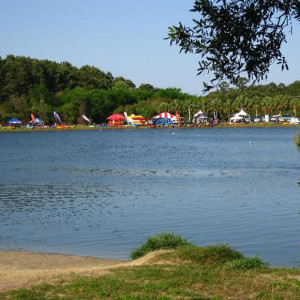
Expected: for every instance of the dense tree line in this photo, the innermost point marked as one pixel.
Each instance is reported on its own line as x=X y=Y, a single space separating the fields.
x=255 y=99
x=42 y=86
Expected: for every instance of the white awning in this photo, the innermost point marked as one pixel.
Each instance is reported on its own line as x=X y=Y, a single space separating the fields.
x=242 y=113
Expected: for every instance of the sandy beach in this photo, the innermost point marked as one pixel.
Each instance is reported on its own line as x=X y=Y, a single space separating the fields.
x=19 y=269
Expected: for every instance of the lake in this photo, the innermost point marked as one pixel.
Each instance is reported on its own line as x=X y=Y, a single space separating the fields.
x=102 y=192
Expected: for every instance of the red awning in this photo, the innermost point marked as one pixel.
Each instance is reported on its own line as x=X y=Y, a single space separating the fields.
x=116 y=117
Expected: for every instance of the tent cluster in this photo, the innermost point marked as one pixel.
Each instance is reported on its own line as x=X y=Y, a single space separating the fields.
x=33 y=122
x=162 y=119
x=16 y=122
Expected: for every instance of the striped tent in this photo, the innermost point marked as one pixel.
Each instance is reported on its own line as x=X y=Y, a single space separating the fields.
x=165 y=115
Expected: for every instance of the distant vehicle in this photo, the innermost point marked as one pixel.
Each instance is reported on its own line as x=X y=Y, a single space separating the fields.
x=274 y=119
x=258 y=119
x=285 y=118
x=249 y=119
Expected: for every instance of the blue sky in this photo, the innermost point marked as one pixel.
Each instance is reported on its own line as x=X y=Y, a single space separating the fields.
x=123 y=37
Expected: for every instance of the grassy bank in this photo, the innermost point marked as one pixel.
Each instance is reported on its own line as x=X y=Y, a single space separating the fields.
x=184 y=272
x=188 y=272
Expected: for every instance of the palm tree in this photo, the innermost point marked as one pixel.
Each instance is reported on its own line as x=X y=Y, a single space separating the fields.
x=266 y=104
x=281 y=102
x=256 y=101
x=295 y=103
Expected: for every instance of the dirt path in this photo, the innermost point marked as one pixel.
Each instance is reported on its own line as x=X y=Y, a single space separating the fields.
x=20 y=269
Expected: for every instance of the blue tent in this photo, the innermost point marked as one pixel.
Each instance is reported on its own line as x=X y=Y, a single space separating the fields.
x=14 y=121
x=38 y=121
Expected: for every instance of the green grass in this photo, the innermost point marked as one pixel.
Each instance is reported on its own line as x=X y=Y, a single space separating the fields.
x=210 y=255
x=172 y=281
x=297 y=141
x=163 y=240
x=250 y=263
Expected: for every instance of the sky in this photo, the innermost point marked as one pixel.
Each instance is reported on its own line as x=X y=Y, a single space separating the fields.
x=125 y=38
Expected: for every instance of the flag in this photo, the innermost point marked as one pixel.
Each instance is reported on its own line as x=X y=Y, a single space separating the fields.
x=56 y=116
x=86 y=118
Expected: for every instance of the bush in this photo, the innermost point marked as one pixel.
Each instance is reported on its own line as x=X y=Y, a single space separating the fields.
x=210 y=255
x=250 y=263
x=297 y=141
x=160 y=241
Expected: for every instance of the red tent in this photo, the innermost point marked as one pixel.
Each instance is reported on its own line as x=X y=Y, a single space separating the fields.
x=165 y=115
x=116 y=117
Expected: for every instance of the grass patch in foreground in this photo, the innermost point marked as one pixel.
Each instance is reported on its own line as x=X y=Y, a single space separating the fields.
x=209 y=255
x=172 y=281
x=247 y=263
x=163 y=240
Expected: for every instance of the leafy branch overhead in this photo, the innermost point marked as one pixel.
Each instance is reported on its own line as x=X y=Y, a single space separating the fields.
x=237 y=36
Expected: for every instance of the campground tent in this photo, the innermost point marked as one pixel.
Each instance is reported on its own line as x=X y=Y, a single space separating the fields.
x=166 y=115
x=242 y=113
x=236 y=118
x=38 y=122
x=200 y=117
x=14 y=122
x=199 y=114
x=240 y=116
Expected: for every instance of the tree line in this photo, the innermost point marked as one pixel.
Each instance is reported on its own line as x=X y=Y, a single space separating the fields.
x=41 y=86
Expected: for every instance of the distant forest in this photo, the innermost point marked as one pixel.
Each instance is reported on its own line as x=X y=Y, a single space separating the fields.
x=41 y=86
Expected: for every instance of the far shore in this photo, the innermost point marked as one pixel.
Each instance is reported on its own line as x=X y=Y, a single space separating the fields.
x=83 y=127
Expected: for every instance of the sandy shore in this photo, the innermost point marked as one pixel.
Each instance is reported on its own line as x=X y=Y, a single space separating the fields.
x=20 y=269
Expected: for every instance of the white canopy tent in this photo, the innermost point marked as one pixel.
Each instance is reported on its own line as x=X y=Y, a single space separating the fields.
x=235 y=118
x=199 y=114
x=200 y=117
x=242 y=113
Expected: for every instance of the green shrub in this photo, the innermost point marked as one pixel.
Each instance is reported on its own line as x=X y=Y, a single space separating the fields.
x=210 y=255
x=249 y=263
x=160 y=241
x=297 y=141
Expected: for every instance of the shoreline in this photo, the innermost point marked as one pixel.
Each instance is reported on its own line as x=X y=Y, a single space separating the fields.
x=86 y=128
x=20 y=268
x=185 y=273
x=23 y=269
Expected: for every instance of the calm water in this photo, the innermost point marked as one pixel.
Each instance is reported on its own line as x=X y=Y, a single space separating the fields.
x=101 y=193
